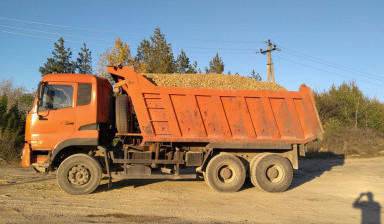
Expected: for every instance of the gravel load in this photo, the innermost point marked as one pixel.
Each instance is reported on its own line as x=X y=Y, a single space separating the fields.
x=211 y=81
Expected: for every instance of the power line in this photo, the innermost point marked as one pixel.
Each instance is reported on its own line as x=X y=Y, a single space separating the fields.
x=230 y=50
x=79 y=36
x=332 y=64
x=62 y=26
x=43 y=37
x=119 y=32
x=326 y=71
x=59 y=34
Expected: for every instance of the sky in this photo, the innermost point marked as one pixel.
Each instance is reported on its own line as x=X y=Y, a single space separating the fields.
x=322 y=42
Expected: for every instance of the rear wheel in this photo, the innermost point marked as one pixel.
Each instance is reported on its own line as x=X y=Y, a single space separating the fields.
x=225 y=173
x=79 y=174
x=122 y=113
x=271 y=172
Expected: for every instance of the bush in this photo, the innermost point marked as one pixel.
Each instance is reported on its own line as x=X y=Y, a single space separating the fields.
x=9 y=154
x=350 y=142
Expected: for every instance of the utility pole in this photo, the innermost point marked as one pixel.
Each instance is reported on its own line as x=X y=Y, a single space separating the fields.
x=271 y=47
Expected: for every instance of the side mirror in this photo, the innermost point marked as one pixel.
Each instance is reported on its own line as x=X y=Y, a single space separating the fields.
x=40 y=94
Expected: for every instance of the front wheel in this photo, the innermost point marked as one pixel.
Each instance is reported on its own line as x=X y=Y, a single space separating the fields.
x=271 y=172
x=79 y=174
x=225 y=173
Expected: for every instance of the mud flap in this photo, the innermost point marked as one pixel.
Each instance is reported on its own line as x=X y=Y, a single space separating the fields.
x=26 y=157
x=107 y=165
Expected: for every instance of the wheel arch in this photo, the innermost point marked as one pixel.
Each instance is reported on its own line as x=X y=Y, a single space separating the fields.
x=72 y=146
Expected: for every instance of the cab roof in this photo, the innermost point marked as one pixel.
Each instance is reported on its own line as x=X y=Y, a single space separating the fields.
x=71 y=78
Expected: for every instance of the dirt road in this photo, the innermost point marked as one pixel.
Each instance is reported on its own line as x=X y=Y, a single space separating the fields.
x=323 y=191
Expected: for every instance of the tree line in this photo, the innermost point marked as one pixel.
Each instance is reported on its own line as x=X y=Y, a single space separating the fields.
x=14 y=104
x=153 y=56
x=346 y=106
x=353 y=123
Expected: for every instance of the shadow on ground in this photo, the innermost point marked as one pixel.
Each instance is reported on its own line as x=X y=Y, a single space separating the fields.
x=313 y=166
x=118 y=184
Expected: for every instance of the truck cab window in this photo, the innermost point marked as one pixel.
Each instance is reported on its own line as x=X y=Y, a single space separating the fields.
x=57 y=97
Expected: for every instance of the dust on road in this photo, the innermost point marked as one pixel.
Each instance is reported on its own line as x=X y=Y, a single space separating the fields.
x=323 y=191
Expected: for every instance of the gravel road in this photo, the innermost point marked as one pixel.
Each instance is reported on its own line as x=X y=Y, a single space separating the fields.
x=323 y=191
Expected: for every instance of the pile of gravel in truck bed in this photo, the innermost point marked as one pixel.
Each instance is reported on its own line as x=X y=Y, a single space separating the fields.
x=211 y=81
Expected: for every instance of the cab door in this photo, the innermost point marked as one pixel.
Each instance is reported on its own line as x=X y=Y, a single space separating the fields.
x=55 y=118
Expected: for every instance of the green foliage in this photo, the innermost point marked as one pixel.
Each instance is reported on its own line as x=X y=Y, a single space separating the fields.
x=348 y=104
x=192 y=69
x=60 y=62
x=3 y=111
x=14 y=103
x=216 y=65
x=255 y=76
x=84 y=61
x=353 y=123
x=182 y=63
x=155 y=56
x=333 y=126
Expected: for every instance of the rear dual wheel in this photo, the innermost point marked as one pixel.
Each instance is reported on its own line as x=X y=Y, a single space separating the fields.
x=225 y=173
x=271 y=172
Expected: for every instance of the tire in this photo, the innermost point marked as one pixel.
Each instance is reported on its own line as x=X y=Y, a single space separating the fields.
x=225 y=173
x=79 y=174
x=122 y=113
x=271 y=172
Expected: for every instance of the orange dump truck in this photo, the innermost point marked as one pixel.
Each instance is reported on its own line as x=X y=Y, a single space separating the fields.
x=224 y=135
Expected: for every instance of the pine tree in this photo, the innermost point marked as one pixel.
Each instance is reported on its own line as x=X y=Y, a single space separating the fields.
x=143 y=56
x=84 y=61
x=255 y=76
x=182 y=63
x=60 y=62
x=3 y=112
x=192 y=69
x=156 y=55
x=216 y=65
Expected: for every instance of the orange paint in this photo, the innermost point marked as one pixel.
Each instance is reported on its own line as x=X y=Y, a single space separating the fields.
x=176 y=114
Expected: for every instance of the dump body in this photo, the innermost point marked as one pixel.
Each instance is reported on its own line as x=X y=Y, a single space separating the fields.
x=221 y=118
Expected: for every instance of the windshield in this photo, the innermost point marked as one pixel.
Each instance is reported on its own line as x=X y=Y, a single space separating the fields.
x=56 y=97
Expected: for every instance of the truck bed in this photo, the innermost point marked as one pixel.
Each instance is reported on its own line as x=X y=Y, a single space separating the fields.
x=221 y=118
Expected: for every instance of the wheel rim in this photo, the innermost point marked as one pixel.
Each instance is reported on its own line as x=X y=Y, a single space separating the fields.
x=78 y=175
x=226 y=174
x=275 y=173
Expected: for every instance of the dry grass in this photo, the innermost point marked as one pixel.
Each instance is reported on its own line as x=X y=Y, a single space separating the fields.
x=350 y=142
x=211 y=81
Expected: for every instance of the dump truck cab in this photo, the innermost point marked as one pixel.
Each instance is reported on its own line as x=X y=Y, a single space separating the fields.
x=69 y=110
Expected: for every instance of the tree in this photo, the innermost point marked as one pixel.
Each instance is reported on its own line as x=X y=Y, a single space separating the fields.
x=206 y=70
x=182 y=63
x=216 y=65
x=14 y=103
x=255 y=76
x=84 y=61
x=155 y=55
x=60 y=62
x=3 y=111
x=119 y=54
x=192 y=68
x=143 y=56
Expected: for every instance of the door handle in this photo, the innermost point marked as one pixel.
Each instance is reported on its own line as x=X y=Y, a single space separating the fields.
x=68 y=123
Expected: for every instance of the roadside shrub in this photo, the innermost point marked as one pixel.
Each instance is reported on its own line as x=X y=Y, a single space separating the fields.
x=9 y=154
x=350 y=142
